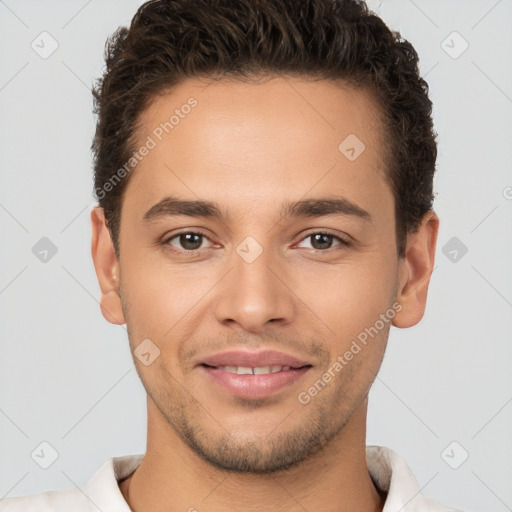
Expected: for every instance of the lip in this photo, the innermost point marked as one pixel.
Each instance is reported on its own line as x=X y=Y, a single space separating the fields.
x=253 y=386
x=252 y=359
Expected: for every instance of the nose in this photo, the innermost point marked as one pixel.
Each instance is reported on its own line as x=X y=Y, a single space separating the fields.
x=255 y=294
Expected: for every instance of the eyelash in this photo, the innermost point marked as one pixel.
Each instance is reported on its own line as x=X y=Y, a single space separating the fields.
x=343 y=243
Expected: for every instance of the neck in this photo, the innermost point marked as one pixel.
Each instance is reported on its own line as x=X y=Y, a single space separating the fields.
x=173 y=478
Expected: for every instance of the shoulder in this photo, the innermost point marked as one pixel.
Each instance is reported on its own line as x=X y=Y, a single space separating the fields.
x=51 y=501
x=391 y=474
x=100 y=493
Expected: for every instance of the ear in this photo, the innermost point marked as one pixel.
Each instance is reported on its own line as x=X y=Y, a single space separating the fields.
x=415 y=271
x=107 y=268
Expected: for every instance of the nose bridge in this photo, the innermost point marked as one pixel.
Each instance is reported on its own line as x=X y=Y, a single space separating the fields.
x=252 y=294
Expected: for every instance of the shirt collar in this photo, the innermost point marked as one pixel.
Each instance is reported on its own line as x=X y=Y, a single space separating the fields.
x=391 y=474
x=387 y=469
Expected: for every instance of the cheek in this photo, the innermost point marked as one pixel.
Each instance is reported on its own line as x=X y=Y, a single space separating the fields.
x=162 y=302
x=169 y=301
x=147 y=301
x=349 y=297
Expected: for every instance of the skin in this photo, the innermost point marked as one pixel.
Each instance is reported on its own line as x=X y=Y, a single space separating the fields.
x=249 y=147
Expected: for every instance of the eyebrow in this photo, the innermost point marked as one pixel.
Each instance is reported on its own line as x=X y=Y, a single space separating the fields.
x=173 y=206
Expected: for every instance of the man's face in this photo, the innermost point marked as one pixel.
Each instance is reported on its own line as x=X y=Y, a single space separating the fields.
x=259 y=278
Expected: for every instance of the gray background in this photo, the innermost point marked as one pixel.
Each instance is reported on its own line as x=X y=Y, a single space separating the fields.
x=66 y=375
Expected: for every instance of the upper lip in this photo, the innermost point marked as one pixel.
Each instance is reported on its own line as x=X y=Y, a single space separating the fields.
x=253 y=359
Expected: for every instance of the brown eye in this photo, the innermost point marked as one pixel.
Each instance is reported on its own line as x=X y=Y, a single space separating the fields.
x=321 y=241
x=187 y=241
x=324 y=241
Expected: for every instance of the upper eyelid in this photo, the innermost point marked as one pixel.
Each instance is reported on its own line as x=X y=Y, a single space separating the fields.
x=167 y=239
x=340 y=238
x=186 y=232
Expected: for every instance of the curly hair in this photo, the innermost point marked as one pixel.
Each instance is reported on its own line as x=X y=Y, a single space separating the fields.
x=169 y=41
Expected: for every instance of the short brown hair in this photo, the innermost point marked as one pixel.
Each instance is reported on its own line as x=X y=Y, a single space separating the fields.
x=169 y=41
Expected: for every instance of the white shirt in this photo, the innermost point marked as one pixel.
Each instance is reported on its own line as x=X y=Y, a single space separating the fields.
x=389 y=472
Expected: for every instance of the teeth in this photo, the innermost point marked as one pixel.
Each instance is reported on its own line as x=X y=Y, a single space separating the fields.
x=261 y=370
x=258 y=370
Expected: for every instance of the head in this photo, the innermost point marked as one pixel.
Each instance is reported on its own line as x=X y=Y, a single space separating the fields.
x=264 y=176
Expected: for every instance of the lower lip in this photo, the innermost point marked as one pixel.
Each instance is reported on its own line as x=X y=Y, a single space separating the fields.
x=255 y=386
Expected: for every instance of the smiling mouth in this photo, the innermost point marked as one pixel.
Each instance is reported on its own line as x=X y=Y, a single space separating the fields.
x=254 y=382
x=256 y=370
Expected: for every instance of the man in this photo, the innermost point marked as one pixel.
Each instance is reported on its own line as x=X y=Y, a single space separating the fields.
x=264 y=175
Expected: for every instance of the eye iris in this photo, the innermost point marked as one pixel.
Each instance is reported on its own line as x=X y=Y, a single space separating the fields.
x=322 y=241
x=190 y=241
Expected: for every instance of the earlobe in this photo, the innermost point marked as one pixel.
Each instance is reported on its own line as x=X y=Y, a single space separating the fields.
x=416 y=269
x=107 y=268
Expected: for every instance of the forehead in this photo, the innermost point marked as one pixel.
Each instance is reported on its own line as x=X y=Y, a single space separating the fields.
x=281 y=137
